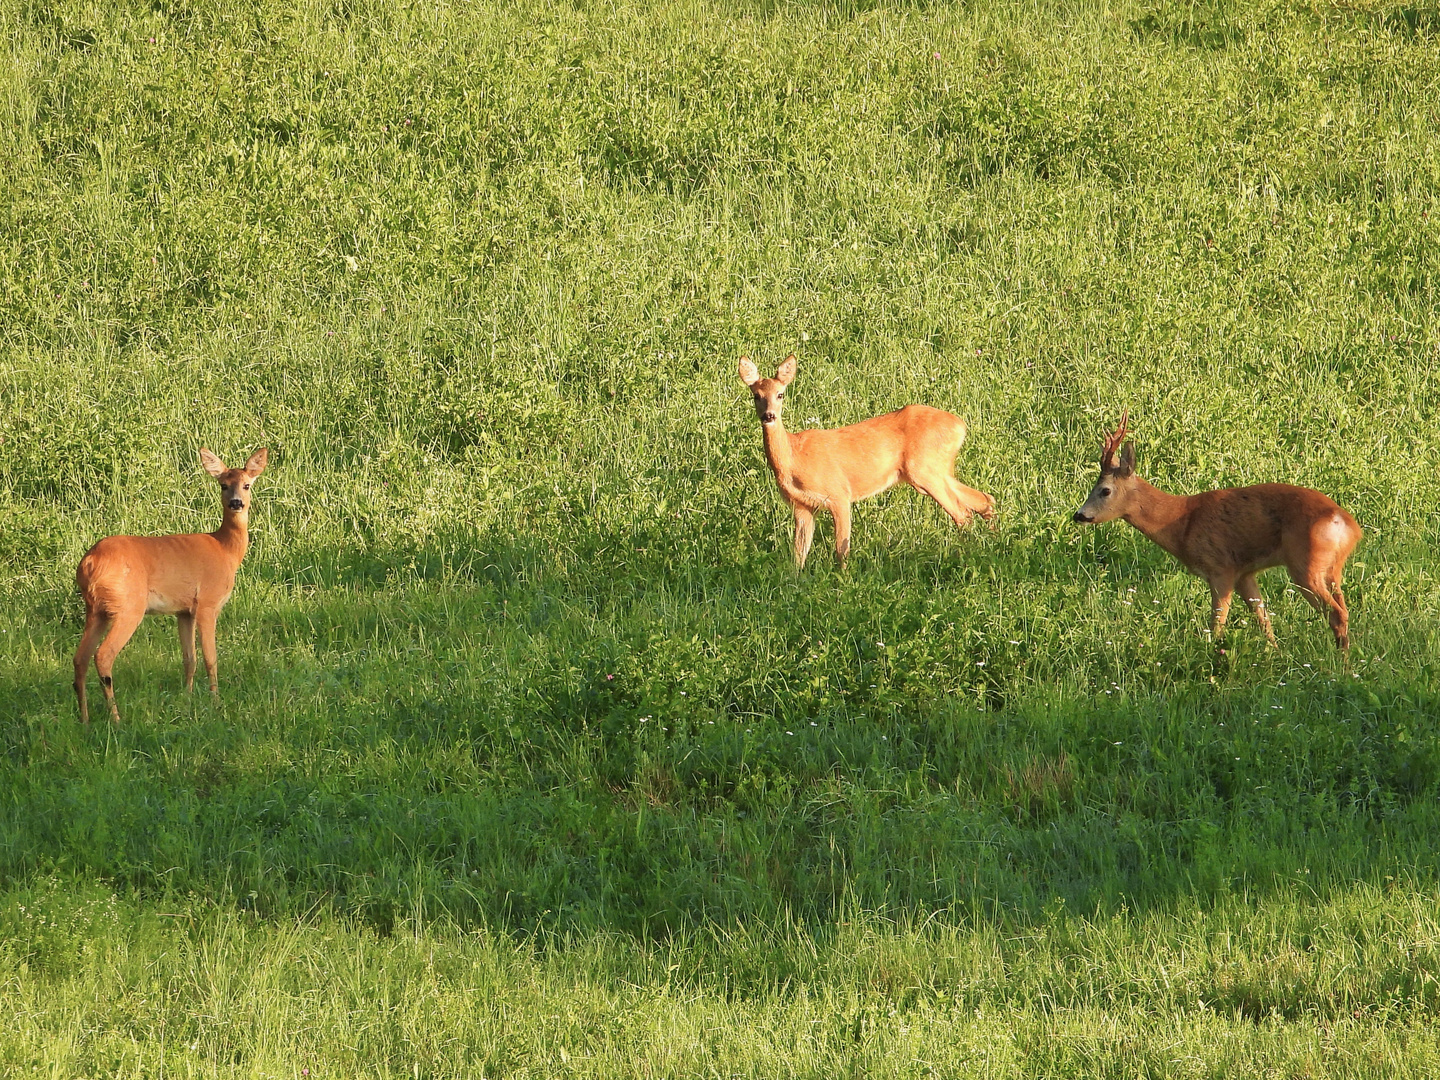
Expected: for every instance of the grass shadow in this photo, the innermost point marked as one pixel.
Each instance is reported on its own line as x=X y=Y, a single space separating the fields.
x=642 y=730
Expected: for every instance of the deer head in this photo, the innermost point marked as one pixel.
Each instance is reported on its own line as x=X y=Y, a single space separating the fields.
x=769 y=393
x=1109 y=498
x=235 y=483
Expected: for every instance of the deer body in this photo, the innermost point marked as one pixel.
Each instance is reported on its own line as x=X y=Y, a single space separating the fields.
x=189 y=575
x=831 y=469
x=1229 y=535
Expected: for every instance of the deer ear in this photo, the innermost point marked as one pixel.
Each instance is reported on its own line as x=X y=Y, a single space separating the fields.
x=213 y=465
x=1127 y=459
x=256 y=465
x=749 y=373
x=787 y=370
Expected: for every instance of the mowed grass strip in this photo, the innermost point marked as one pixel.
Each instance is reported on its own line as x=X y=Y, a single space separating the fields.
x=517 y=653
x=1342 y=988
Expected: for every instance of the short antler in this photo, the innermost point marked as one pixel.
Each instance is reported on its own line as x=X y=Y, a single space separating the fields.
x=1110 y=452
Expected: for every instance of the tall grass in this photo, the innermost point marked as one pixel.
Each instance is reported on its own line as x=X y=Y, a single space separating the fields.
x=517 y=654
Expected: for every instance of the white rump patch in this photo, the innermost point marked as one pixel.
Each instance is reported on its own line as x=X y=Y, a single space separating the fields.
x=1336 y=530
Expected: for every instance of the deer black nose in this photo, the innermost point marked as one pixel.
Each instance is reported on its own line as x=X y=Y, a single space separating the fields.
x=236 y=504
x=768 y=417
x=1080 y=516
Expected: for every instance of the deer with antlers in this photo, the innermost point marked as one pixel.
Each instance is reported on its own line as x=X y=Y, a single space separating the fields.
x=832 y=468
x=1229 y=535
x=190 y=576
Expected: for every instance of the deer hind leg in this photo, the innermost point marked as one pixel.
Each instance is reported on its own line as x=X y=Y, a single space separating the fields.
x=185 y=624
x=1222 y=591
x=971 y=499
x=121 y=630
x=96 y=623
x=955 y=498
x=949 y=496
x=1342 y=635
x=804 y=534
x=1321 y=590
x=840 y=511
x=206 y=617
x=1340 y=617
x=1250 y=590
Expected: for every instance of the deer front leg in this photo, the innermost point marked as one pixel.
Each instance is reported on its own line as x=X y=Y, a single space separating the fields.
x=1222 y=590
x=185 y=623
x=1250 y=590
x=206 y=617
x=804 y=533
x=840 y=511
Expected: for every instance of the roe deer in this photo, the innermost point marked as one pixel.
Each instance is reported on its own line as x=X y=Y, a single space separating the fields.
x=189 y=576
x=833 y=468
x=1227 y=536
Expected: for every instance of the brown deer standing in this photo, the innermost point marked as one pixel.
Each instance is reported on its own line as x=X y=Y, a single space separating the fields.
x=833 y=468
x=190 y=576
x=1229 y=535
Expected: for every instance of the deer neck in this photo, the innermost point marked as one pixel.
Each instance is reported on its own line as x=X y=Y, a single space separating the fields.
x=1162 y=517
x=234 y=534
x=778 y=450
x=780 y=453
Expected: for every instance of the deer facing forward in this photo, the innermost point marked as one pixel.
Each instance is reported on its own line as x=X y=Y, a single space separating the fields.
x=831 y=469
x=189 y=576
x=1228 y=536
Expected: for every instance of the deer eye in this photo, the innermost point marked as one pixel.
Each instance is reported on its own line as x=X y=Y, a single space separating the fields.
x=1104 y=491
x=247 y=487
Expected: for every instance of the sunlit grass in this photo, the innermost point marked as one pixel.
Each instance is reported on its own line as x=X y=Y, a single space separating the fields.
x=534 y=756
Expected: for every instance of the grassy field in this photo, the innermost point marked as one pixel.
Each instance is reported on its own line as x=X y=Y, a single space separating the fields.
x=534 y=755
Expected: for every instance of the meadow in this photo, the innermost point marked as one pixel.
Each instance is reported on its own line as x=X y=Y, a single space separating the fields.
x=534 y=755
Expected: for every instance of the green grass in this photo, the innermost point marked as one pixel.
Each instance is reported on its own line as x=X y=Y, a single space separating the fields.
x=534 y=755
x=1343 y=988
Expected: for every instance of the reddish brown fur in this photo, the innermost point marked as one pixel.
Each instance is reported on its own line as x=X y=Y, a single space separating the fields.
x=1227 y=536
x=188 y=575
x=833 y=468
